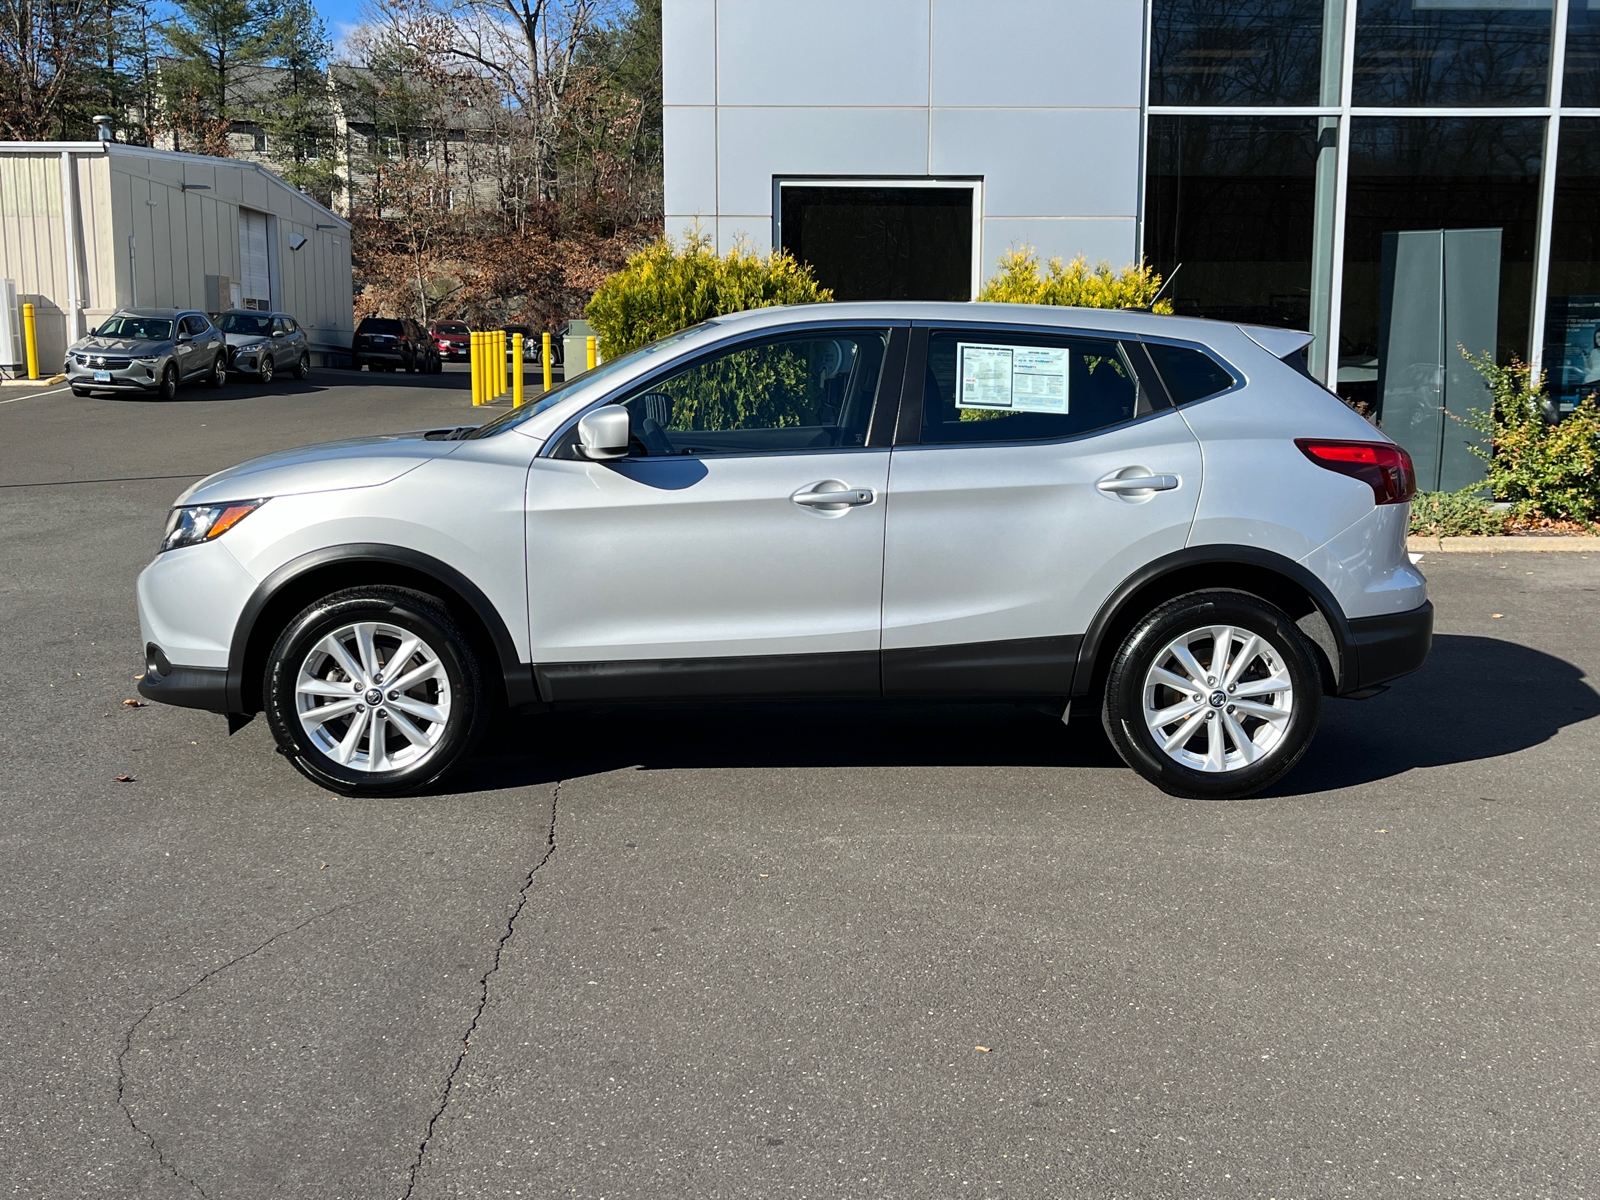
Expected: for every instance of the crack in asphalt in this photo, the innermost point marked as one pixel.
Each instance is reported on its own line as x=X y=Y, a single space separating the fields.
x=483 y=994
x=127 y=1041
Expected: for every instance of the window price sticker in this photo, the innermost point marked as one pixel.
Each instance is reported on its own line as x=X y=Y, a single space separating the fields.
x=1013 y=378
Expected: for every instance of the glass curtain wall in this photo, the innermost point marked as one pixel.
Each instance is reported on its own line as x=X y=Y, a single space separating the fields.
x=1425 y=230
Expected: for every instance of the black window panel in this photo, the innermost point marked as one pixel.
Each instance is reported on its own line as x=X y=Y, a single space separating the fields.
x=1580 y=86
x=1188 y=373
x=386 y=325
x=1572 y=326
x=1233 y=200
x=1410 y=55
x=1410 y=173
x=1236 y=51
x=1102 y=390
x=882 y=243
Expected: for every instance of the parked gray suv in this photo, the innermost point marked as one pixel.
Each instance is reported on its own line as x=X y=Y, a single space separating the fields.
x=148 y=350
x=264 y=343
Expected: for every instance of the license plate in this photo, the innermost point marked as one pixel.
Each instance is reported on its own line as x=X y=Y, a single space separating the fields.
x=102 y=376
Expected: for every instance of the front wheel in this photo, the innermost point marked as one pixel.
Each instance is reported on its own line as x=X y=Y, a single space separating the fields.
x=266 y=369
x=1214 y=695
x=375 y=691
x=168 y=388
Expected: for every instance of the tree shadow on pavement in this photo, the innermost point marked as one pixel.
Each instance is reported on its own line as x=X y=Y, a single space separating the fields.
x=1471 y=701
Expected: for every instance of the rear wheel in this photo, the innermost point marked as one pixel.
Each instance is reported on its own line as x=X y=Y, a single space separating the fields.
x=375 y=691
x=1214 y=695
x=302 y=368
x=218 y=375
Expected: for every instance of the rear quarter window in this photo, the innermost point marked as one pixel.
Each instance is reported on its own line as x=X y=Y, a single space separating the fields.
x=1189 y=374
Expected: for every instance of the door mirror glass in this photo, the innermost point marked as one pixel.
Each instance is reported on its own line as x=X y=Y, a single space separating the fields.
x=604 y=433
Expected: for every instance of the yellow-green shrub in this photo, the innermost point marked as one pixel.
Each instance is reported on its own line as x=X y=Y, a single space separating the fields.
x=1020 y=282
x=667 y=287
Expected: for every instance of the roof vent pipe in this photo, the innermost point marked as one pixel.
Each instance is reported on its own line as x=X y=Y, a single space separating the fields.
x=102 y=128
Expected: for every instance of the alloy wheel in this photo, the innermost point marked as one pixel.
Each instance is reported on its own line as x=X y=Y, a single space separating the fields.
x=1218 y=698
x=373 y=697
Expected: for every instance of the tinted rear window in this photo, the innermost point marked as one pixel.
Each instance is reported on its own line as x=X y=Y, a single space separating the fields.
x=452 y=327
x=1189 y=374
x=380 y=325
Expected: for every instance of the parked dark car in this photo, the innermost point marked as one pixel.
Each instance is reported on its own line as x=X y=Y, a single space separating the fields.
x=530 y=343
x=387 y=343
x=264 y=343
x=452 y=338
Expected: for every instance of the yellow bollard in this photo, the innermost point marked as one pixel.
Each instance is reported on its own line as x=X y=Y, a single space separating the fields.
x=516 y=371
x=30 y=333
x=504 y=373
x=594 y=351
x=546 y=349
x=476 y=356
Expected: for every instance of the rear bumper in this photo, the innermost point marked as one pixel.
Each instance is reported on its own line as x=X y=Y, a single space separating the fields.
x=1390 y=646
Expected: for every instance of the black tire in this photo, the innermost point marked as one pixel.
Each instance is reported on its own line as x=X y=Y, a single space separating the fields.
x=302 y=368
x=415 y=614
x=411 y=365
x=167 y=389
x=1123 y=710
x=265 y=371
x=219 y=371
x=355 y=363
x=78 y=391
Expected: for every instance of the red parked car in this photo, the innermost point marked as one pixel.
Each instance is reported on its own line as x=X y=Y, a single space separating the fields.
x=453 y=338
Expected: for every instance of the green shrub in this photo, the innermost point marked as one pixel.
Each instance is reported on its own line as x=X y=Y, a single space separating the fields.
x=666 y=287
x=1075 y=285
x=1545 y=470
x=1454 y=514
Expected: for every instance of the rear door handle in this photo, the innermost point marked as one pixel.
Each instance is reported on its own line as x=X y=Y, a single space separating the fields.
x=1122 y=485
x=845 y=498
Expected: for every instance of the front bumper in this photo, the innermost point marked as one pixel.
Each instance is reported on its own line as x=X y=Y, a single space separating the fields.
x=1390 y=646
x=137 y=377
x=185 y=687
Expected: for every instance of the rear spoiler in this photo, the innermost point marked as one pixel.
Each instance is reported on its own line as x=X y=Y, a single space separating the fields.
x=1280 y=343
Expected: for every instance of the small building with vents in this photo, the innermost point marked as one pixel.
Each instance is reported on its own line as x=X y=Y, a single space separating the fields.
x=90 y=227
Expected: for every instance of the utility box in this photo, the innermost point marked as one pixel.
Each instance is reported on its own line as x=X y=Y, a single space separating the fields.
x=575 y=348
x=12 y=354
x=219 y=294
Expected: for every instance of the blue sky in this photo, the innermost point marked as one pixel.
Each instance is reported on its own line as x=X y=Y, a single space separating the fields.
x=340 y=15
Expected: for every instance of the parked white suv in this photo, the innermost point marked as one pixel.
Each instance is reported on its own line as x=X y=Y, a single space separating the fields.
x=1161 y=516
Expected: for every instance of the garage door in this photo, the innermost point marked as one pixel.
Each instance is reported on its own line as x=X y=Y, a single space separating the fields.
x=255 y=277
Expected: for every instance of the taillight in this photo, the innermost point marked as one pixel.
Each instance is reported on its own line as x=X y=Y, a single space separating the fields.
x=1383 y=466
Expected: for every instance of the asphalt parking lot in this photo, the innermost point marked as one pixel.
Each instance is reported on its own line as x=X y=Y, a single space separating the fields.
x=759 y=952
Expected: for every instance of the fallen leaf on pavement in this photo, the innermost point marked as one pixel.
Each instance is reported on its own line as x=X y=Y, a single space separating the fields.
x=1496 y=616
x=126 y=779
x=1380 y=831
x=135 y=704
x=983 y=1049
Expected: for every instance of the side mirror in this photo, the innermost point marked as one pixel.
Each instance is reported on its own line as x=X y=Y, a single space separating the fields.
x=604 y=433
x=184 y=337
x=277 y=333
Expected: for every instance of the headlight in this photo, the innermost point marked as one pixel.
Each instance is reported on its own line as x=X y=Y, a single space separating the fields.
x=203 y=522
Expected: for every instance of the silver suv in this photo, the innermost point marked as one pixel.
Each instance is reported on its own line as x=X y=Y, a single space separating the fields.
x=1161 y=521
x=148 y=350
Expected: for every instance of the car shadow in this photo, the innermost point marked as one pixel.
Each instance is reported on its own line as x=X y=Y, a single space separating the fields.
x=1453 y=710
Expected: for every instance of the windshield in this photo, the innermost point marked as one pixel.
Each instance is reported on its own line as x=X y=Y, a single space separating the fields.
x=143 y=329
x=246 y=323
x=452 y=327
x=578 y=384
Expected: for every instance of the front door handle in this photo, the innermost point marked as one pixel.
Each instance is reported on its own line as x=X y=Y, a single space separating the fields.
x=1123 y=485
x=842 y=498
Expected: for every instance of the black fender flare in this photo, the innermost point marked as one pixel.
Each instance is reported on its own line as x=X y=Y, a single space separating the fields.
x=1089 y=650
x=518 y=675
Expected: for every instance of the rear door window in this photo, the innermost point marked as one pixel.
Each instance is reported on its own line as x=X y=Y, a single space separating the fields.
x=984 y=385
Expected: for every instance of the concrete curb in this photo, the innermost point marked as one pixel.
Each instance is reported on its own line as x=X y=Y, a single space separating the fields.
x=33 y=382
x=1497 y=545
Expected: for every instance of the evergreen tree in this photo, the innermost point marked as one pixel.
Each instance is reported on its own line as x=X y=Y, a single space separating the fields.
x=298 y=115
x=214 y=43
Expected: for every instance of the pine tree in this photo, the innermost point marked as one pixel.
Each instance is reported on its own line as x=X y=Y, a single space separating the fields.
x=298 y=114
x=213 y=42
